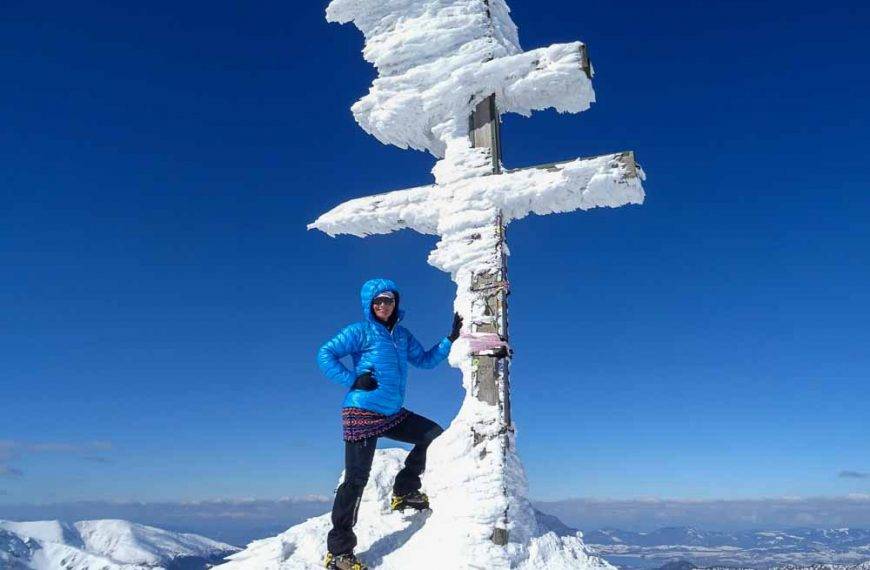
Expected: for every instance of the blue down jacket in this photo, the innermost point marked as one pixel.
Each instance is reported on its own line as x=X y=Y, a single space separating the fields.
x=376 y=348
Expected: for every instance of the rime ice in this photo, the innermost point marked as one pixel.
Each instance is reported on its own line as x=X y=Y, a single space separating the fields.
x=437 y=62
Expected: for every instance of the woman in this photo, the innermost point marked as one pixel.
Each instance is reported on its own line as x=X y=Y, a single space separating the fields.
x=381 y=350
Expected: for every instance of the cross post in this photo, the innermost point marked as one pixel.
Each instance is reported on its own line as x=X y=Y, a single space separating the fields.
x=491 y=372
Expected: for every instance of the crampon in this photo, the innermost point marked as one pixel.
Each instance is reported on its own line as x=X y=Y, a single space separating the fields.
x=413 y=500
x=343 y=562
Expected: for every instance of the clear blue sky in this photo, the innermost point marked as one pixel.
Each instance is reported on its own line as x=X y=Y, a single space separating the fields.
x=161 y=300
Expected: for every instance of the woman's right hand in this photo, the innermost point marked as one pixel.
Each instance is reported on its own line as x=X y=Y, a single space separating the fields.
x=365 y=381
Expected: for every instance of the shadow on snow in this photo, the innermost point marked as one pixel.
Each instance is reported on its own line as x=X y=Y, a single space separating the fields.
x=374 y=556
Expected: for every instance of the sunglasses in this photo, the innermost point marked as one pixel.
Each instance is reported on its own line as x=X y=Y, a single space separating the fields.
x=383 y=301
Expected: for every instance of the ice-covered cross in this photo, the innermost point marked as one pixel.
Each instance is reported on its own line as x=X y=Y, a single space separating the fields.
x=446 y=70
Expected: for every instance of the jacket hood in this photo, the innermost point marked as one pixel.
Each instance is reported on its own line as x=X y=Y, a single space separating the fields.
x=370 y=290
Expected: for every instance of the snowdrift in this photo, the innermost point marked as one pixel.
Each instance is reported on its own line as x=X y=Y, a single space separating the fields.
x=451 y=537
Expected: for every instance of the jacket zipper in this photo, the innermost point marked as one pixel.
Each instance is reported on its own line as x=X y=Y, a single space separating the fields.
x=398 y=360
x=393 y=340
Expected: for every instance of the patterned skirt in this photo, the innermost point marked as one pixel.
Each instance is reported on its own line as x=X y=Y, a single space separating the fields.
x=359 y=423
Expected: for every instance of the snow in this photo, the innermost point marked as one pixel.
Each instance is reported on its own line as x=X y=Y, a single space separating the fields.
x=580 y=184
x=143 y=544
x=44 y=531
x=437 y=58
x=103 y=544
x=454 y=535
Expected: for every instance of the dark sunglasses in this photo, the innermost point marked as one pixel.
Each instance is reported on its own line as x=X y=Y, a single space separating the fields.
x=383 y=301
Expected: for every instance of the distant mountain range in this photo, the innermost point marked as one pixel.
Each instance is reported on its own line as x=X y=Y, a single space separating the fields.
x=122 y=545
x=683 y=565
x=103 y=545
x=749 y=549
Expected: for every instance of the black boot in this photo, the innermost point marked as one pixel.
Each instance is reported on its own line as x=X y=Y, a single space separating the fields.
x=343 y=562
x=413 y=500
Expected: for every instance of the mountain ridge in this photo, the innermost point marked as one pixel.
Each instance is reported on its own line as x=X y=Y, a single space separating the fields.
x=106 y=544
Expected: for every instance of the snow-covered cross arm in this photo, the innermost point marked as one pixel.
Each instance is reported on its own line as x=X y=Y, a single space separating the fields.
x=611 y=180
x=399 y=110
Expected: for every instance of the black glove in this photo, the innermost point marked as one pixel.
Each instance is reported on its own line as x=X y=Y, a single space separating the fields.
x=364 y=382
x=457 y=326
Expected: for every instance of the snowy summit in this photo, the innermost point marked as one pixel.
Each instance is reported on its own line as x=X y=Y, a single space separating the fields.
x=448 y=538
x=446 y=70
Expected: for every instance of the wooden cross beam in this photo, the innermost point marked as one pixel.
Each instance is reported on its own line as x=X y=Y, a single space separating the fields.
x=491 y=373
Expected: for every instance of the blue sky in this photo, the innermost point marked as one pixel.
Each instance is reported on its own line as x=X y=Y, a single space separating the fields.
x=162 y=300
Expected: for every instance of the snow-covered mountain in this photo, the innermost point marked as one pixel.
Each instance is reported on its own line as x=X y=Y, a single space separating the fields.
x=391 y=540
x=103 y=545
x=756 y=549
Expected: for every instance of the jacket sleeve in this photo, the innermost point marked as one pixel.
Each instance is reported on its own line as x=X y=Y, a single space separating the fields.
x=427 y=358
x=350 y=339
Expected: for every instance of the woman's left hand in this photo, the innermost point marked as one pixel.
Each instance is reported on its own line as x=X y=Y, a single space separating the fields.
x=457 y=327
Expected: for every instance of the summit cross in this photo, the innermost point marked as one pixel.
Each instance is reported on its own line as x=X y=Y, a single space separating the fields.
x=447 y=70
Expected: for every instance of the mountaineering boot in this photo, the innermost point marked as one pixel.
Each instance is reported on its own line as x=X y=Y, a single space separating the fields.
x=343 y=562
x=413 y=500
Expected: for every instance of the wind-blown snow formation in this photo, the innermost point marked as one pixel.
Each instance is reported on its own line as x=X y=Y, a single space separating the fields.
x=452 y=536
x=101 y=545
x=435 y=58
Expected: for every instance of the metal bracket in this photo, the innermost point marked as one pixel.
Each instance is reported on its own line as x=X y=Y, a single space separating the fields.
x=500 y=352
x=496 y=285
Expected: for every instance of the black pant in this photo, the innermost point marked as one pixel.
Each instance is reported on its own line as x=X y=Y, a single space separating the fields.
x=358 y=456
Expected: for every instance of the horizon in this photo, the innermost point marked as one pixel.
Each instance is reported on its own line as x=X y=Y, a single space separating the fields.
x=239 y=521
x=166 y=299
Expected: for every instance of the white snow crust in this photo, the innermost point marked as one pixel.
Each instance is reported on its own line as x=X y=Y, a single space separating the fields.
x=437 y=58
x=44 y=531
x=469 y=203
x=455 y=535
x=99 y=544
